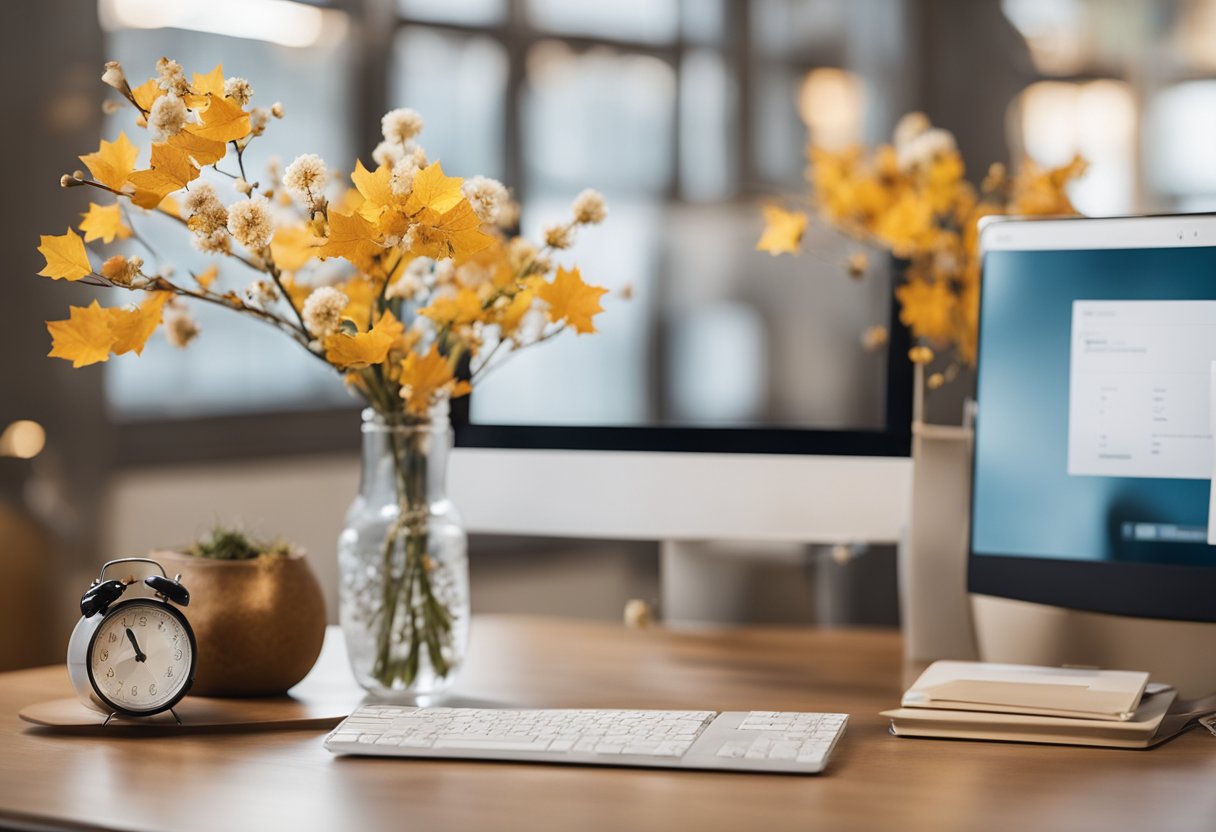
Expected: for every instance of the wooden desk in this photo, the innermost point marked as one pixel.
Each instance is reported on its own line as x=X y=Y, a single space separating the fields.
x=286 y=780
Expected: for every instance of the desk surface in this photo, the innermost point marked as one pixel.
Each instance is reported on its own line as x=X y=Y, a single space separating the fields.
x=286 y=780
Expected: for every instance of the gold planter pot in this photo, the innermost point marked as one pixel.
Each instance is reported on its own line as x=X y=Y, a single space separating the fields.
x=259 y=622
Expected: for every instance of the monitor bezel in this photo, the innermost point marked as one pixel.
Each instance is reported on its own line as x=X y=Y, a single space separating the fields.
x=893 y=440
x=1143 y=590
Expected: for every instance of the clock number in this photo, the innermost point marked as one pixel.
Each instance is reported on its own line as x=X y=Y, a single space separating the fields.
x=177 y=655
x=143 y=621
x=125 y=622
x=152 y=689
x=113 y=637
x=160 y=625
x=134 y=690
x=169 y=672
x=105 y=655
x=110 y=673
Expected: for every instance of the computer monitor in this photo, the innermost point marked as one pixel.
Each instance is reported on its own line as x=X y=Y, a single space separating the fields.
x=730 y=399
x=1093 y=455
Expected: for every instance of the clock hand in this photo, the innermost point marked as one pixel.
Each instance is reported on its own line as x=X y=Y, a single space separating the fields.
x=139 y=654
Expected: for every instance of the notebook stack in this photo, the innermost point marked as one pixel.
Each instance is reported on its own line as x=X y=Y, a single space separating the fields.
x=1024 y=703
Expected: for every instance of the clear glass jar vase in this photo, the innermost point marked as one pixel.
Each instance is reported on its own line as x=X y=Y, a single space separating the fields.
x=403 y=562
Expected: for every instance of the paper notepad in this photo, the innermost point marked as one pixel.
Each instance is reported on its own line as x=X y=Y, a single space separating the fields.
x=1076 y=693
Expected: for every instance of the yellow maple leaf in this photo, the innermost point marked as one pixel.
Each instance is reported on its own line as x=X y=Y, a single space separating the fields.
x=85 y=338
x=113 y=161
x=783 y=231
x=223 y=121
x=170 y=206
x=202 y=150
x=464 y=307
x=103 y=222
x=426 y=378
x=435 y=191
x=373 y=185
x=66 y=256
x=212 y=82
x=456 y=233
x=206 y=277
x=360 y=293
x=513 y=313
x=172 y=169
x=573 y=301
x=353 y=352
x=350 y=236
x=927 y=308
x=131 y=328
x=146 y=93
x=294 y=245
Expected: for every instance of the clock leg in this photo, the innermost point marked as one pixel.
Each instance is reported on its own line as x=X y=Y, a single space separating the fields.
x=175 y=716
x=107 y=722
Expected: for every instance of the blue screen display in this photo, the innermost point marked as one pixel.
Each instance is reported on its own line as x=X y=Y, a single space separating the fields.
x=1088 y=442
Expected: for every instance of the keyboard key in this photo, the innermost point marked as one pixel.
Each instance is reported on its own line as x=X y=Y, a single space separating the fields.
x=491 y=743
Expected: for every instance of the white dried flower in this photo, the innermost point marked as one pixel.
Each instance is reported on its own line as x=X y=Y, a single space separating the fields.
x=259 y=117
x=305 y=176
x=443 y=272
x=405 y=168
x=276 y=109
x=215 y=242
x=406 y=287
x=401 y=125
x=387 y=153
x=167 y=117
x=323 y=310
x=114 y=76
x=925 y=148
x=242 y=187
x=239 y=90
x=508 y=214
x=249 y=223
x=911 y=126
x=558 y=235
x=207 y=214
x=171 y=78
x=180 y=328
x=486 y=196
x=261 y=293
x=520 y=253
x=588 y=208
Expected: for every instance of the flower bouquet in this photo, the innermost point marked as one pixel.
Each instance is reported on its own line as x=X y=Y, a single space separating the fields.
x=427 y=292
x=910 y=197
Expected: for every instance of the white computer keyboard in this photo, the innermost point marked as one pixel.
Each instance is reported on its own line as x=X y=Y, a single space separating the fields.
x=733 y=740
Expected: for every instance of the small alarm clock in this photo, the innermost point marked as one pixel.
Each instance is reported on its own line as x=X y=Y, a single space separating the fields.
x=132 y=657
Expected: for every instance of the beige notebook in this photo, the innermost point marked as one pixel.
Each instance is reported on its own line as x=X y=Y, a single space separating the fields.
x=1147 y=727
x=1027 y=689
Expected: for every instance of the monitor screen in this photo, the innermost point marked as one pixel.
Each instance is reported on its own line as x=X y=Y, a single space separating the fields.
x=706 y=344
x=1093 y=446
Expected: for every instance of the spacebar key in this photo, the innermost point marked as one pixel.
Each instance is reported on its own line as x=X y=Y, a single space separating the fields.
x=490 y=743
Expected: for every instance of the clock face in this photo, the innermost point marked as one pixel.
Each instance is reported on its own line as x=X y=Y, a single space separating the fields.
x=141 y=657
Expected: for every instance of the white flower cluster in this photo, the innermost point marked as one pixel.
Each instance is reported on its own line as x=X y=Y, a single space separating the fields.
x=249 y=223
x=239 y=90
x=405 y=168
x=323 y=311
x=171 y=78
x=588 y=208
x=918 y=143
x=305 y=177
x=167 y=117
x=487 y=196
x=208 y=219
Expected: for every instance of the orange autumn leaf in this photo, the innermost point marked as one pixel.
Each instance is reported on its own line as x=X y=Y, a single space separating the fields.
x=456 y=233
x=426 y=378
x=352 y=352
x=131 y=328
x=212 y=82
x=573 y=301
x=435 y=191
x=294 y=245
x=206 y=277
x=103 y=222
x=171 y=170
x=783 y=231
x=350 y=236
x=454 y=310
x=146 y=93
x=204 y=151
x=374 y=186
x=113 y=161
x=222 y=121
x=927 y=309
x=85 y=338
x=66 y=256
x=513 y=314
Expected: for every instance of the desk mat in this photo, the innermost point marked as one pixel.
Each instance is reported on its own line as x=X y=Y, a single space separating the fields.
x=197 y=714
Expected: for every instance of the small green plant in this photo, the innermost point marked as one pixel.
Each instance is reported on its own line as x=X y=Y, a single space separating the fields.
x=231 y=543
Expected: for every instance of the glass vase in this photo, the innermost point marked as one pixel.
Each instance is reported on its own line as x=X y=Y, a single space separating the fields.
x=403 y=562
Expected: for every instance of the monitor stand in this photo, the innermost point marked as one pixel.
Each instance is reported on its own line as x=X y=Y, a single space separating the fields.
x=1181 y=653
